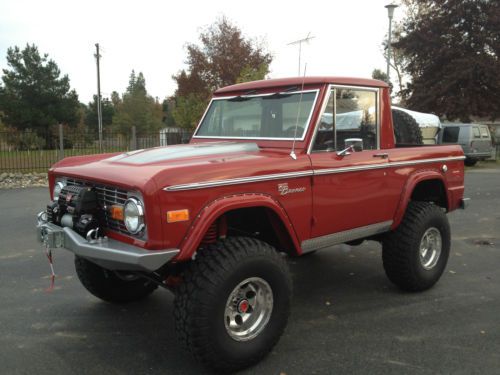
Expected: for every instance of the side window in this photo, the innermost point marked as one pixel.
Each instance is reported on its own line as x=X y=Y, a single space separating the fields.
x=356 y=117
x=484 y=132
x=450 y=134
x=475 y=130
x=325 y=134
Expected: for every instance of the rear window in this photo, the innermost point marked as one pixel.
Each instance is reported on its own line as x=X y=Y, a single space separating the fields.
x=475 y=131
x=484 y=132
x=450 y=134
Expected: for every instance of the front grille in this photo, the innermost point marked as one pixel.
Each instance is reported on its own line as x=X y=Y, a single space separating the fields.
x=107 y=196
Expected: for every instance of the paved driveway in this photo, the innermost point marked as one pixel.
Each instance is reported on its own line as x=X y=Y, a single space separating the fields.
x=346 y=316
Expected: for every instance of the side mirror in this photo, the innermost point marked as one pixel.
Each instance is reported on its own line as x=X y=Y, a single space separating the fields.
x=356 y=144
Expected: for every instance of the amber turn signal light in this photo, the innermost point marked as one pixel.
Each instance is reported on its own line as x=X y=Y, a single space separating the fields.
x=117 y=212
x=178 y=215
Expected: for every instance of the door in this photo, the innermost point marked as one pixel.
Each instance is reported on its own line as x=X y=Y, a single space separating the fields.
x=348 y=187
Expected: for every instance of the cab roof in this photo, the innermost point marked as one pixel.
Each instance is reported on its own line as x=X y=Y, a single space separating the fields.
x=298 y=81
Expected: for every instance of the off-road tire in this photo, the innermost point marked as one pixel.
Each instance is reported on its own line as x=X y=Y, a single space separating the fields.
x=470 y=162
x=406 y=128
x=401 y=248
x=201 y=299
x=106 y=284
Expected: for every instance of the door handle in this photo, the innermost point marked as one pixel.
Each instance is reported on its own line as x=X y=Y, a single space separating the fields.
x=383 y=155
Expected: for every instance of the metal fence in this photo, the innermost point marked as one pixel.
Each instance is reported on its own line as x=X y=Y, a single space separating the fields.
x=30 y=151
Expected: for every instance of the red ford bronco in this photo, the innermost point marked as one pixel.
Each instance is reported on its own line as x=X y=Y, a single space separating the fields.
x=283 y=166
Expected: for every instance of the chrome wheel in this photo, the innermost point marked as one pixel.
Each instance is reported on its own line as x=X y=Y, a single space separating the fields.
x=430 y=248
x=248 y=309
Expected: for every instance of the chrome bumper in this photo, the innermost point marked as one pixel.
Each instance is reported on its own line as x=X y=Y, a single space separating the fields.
x=106 y=252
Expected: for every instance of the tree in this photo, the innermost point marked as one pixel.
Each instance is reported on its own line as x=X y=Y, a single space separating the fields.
x=223 y=57
x=168 y=107
x=107 y=109
x=451 y=53
x=382 y=76
x=188 y=111
x=34 y=95
x=220 y=59
x=137 y=108
x=251 y=73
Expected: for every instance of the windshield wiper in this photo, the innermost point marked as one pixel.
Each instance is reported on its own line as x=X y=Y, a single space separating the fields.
x=282 y=94
x=244 y=97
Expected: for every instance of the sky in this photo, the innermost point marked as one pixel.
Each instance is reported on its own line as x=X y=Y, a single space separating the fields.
x=150 y=36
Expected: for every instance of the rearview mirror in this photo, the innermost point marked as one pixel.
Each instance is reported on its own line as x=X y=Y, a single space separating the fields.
x=356 y=144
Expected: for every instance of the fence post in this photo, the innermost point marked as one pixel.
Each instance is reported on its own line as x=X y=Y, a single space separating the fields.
x=61 y=142
x=133 y=144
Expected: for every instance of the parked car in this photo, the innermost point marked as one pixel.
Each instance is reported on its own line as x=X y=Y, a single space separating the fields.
x=475 y=140
x=276 y=168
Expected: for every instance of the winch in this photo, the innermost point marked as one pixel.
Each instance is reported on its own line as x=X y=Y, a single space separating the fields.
x=76 y=207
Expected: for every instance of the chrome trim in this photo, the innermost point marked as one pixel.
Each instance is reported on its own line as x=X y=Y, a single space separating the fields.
x=61 y=183
x=107 y=196
x=236 y=181
x=140 y=208
x=322 y=111
x=384 y=165
x=316 y=172
x=331 y=88
x=344 y=236
x=308 y=122
x=106 y=252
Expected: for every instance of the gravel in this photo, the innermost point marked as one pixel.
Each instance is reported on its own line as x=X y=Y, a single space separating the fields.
x=22 y=180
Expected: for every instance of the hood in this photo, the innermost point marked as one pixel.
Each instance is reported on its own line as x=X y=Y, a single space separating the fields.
x=180 y=164
x=183 y=152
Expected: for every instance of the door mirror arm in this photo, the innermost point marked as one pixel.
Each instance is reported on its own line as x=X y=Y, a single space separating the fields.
x=346 y=151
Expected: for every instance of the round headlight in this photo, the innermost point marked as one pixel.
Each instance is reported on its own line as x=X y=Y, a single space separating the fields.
x=57 y=189
x=133 y=215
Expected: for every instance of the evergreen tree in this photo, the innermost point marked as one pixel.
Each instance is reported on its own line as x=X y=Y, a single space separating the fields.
x=137 y=108
x=34 y=95
x=90 y=113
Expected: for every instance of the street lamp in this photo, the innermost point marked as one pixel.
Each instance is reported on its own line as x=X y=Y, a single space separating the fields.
x=390 y=13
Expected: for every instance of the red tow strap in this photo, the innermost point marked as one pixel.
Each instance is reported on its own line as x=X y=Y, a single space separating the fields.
x=48 y=253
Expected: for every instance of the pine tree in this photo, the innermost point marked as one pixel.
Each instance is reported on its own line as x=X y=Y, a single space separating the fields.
x=34 y=95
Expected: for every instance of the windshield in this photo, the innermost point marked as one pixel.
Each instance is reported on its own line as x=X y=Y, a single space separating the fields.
x=259 y=117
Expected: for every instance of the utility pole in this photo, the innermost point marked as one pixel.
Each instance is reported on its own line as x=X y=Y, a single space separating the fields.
x=99 y=109
x=299 y=42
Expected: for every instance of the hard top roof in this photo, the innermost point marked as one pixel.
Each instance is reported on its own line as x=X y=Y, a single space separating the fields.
x=297 y=81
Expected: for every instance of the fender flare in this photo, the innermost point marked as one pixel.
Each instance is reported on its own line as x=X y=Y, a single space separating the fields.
x=214 y=209
x=411 y=183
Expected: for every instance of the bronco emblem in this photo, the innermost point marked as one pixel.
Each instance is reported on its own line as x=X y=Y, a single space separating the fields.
x=284 y=189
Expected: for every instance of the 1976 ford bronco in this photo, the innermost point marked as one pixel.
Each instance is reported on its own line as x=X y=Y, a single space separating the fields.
x=276 y=167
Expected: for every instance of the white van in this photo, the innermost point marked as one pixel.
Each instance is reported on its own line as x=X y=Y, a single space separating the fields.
x=475 y=140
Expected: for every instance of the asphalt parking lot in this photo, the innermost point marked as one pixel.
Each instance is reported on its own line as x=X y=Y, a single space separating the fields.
x=346 y=316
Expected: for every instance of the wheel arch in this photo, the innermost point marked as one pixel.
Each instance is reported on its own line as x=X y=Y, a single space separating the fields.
x=426 y=186
x=263 y=205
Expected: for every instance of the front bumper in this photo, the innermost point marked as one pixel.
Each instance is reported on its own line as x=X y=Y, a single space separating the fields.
x=106 y=252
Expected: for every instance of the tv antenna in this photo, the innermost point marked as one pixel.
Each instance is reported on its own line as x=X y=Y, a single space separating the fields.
x=299 y=42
